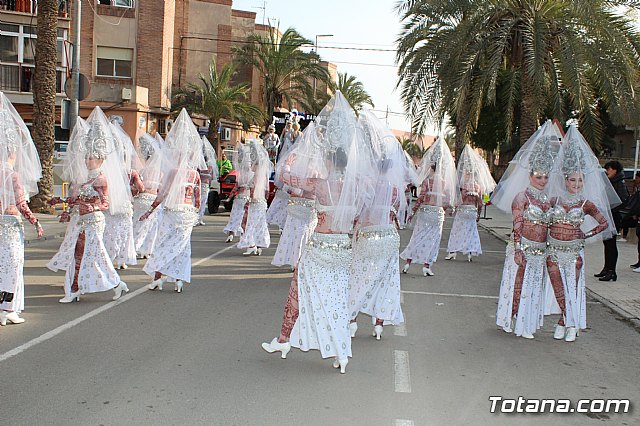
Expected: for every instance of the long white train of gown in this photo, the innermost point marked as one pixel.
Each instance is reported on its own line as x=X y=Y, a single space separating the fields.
x=323 y=281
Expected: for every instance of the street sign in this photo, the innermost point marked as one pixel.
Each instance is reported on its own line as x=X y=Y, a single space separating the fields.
x=85 y=88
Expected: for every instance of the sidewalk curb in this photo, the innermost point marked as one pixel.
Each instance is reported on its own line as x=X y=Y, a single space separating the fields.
x=45 y=238
x=618 y=310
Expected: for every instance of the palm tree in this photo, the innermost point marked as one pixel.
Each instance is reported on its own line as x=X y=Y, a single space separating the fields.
x=286 y=70
x=215 y=97
x=44 y=99
x=313 y=104
x=353 y=91
x=453 y=53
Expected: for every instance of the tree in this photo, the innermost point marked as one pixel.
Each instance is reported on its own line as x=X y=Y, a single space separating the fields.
x=215 y=97
x=313 y=104
x=452 y=54
x=353 y=91
x=44 y=99
x=287 y=71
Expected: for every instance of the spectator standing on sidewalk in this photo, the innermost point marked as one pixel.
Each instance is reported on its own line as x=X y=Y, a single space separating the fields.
x=616 y=177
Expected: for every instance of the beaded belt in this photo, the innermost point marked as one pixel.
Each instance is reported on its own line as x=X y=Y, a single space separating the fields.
x=10 y=223
x=377 y=232
x=336 y=242
x=256 y=201
x=182 y=209
x=304 y=202
x=90 y=219
x=243 y=198
x=533 y=248
x=571 y=246
x=145 y=196
x=432 y=212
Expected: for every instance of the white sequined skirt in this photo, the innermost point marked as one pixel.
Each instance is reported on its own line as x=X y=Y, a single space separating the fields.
x=374 y=279
x=118 y=238
x=12 y=261
x=172 y=253
x=145 y=232
x=300 y=224
x=424 y=244
x=566 y=253
x=96 y=268
x=464 y=236
x=277 y=212
x=529 y=317
x=237 y=214
x=257 y=232
x=323 y=280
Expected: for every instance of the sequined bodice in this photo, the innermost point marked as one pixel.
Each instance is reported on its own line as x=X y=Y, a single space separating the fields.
x=575 y=215
x=534 y=213
x=87 y=192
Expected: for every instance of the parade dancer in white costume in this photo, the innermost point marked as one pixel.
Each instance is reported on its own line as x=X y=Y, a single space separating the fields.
x=207 y=176
x=316 y=314
x=374 y=278
x=94 y=169
x=256 y=234
x=474 y=181
x=242 y=191
x=118 y=234
x=19 y=175
x=179 y=195
x=277 y=212
x=438 y=176
x=582 y=198
x=301 y=213
x=522 y=192
x=150 y=165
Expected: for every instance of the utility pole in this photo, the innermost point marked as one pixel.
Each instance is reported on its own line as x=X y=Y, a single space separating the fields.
x=315 y=81
x=74 y=106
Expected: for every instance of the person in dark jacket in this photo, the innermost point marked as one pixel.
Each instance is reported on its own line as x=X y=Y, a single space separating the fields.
x=616 y=177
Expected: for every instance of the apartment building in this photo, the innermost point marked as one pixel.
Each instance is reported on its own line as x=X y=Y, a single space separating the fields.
x=18 y=22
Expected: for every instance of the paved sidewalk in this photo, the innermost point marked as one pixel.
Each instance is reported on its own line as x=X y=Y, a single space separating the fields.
x=52 y=229
x=622 y=296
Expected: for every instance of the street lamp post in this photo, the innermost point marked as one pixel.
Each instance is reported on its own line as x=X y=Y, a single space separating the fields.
x=315 y=82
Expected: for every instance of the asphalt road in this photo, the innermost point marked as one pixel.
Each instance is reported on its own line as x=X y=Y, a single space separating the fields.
x=194 y=358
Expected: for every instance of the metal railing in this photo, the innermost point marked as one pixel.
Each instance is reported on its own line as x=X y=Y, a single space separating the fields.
x=31 y=6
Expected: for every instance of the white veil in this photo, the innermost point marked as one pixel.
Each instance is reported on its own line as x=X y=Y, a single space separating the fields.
x=348 y=162
x=261 y=168
x=575 y=156
x=473 y=174
x=15 y=139
x=210 y=158
x=439 y=156
x=183 y=154
x=149 y=156
x=393 y=172
x=242 y=165
x=537 y=154
x=99 y=142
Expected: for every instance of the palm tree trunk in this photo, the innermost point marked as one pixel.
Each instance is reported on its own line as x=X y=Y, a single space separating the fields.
x=528 y=111
x=460 y=137
x=213 y=135
x=44 y=100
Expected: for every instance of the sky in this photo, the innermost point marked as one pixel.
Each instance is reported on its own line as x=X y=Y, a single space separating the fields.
x=354 y=24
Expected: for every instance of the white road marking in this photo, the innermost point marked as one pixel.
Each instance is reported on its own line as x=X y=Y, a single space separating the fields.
x=64 y=327
x=401 y=369
x=401 y=330
x=402 y=422
x=472 y=296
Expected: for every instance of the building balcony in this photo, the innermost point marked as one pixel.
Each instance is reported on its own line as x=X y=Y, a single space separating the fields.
x=30 y=7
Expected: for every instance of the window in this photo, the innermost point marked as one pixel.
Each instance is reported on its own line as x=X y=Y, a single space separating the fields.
x=17 y=57
x=114 y=62
x=117 y=3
